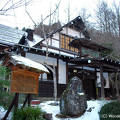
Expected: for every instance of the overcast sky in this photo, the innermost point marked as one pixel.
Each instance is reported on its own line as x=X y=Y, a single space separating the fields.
x=36 y=8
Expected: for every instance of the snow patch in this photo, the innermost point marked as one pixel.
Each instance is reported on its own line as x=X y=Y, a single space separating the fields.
x=2 y=113
x=94 y=105
x=36 y=39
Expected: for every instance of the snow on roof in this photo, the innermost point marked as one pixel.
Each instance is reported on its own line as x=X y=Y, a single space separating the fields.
x=36 y=39
x=59 y=52
x=10 y=35
x=19 y=60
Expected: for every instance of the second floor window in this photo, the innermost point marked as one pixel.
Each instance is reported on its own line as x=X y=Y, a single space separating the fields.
x=64 y=43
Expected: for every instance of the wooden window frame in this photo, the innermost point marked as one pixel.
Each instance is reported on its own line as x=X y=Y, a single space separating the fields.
x=64 y=43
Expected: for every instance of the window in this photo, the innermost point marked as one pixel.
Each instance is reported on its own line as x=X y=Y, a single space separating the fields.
x=91 y=53
x=47 y=77
x=64 y=43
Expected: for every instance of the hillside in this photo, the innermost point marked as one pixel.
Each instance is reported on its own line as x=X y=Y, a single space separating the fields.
x=106 y=39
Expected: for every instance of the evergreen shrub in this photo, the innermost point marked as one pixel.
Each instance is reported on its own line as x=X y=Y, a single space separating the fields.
x=5 y=97
x=110 y=111
x=28 y=113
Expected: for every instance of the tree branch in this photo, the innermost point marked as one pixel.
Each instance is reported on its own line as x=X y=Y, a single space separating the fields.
x=14 y=5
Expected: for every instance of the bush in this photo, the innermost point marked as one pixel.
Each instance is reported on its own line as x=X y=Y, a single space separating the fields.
x=28 y=113
x=110 y=111
x=5 y=97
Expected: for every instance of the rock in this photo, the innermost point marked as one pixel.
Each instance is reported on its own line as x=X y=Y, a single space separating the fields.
x=90 y=109
x=48 y=116
x=73 y=101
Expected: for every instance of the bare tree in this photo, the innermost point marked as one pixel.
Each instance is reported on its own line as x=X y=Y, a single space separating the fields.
x=7 y=5
x=68 y=12
x=42 y=29
x=85 y=17
x=117 y=12
x=115 y=82
x=108 y=19
x=103 y=17
x=108 y=22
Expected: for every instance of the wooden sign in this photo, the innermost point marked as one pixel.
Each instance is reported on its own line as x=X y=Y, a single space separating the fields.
x=24 y=81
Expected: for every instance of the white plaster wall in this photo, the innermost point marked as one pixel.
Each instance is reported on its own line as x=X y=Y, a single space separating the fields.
x=41 y=59
x=72 y=32
x=107 y=80
x=56 y=36
x=51 y=61
x=49 y=41
x=62 y=72
x=55 y=43
x=105 y=75
x=98 y=80
x=64 y=30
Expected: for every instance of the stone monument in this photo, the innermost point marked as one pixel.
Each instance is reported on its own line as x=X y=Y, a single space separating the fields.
x=73 y=101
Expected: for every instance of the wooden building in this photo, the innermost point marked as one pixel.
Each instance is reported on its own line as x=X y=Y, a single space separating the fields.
x=72 y=52
x=56 y=47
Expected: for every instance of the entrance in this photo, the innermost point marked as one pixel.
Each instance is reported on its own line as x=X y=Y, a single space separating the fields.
x=88 y=81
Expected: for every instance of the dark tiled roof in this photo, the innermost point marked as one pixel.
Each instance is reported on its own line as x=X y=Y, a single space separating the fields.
x=10 y=36
x=83 y=42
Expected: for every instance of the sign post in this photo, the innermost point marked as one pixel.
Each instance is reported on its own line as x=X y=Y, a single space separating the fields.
x=24 y=81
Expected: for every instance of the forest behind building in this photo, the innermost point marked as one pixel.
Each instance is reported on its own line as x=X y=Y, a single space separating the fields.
x=104 y=28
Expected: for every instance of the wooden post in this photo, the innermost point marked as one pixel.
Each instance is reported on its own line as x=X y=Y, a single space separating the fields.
x=67 y=73
x=55 y=83
x=14 y=101
x=102 y=82
x=116 y=84
x=25 y=101
x=57 y=72
x=80 y=51
x=96 y=82
x=29 y=99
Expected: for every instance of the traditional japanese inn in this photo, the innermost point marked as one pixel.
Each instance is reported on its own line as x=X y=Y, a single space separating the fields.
x=66 y=52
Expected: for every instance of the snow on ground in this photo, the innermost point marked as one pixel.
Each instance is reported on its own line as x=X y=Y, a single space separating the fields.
x=2 y=113
x=95 y=105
